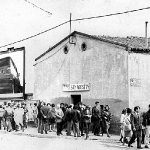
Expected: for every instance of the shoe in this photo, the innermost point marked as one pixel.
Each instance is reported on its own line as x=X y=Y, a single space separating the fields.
x=129 y=145
x=120 y=140
x=139 y=148
x=98 y=135
x=82 y=134
x=68 y=134
x=75 y=136
x=146 y=146
x=87 y=137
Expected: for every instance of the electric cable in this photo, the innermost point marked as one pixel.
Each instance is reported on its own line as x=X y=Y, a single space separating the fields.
x=52 y=54
x=80 y=19
x=114 y=14
x=39 y=7
x=35 y=35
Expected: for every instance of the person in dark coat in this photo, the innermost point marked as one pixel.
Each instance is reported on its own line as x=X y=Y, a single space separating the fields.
x=44 y=111
x=147 y=127
x=107 y=118
x=69 y=119
x=136 y=122
x=102 y=120
x=96 y=119
x=87 y=120
x=76 y=116
x=39 y=116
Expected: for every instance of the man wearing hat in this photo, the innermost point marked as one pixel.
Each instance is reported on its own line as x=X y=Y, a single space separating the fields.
x=96 y=119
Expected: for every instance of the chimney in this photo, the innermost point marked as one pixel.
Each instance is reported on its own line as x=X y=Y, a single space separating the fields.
x=146 y=38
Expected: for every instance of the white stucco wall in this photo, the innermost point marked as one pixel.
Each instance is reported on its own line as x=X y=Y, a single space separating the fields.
x=103 y=65
x=139 y=71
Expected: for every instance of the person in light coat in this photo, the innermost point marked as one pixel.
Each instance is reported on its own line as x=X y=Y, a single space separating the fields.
x=18 y=117
x=59 y=115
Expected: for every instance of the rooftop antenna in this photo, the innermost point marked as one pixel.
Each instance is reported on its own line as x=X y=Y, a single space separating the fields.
x=146 y=38
x=71 y=37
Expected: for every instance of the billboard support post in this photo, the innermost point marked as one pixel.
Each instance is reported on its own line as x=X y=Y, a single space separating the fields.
x=24 y=73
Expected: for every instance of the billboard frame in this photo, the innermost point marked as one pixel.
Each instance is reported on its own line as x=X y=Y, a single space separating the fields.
x=11 y=50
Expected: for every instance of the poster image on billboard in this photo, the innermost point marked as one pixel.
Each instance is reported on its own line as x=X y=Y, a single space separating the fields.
x=12 y=73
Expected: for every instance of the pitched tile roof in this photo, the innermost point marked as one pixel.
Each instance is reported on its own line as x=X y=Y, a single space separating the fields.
x=136 y=44
x=131 y=41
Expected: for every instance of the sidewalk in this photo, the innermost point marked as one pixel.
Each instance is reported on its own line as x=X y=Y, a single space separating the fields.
x=32 y=132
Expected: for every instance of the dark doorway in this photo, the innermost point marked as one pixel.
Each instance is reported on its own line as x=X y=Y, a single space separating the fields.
x=76 y=99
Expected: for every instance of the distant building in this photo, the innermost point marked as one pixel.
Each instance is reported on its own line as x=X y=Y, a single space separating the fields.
x=28 y=96
x=81 y=67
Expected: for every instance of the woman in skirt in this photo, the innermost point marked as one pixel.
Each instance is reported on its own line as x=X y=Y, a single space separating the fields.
x=127 y=125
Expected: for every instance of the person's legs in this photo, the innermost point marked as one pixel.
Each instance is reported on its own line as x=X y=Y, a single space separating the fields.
x=107 y=129
x=39 y=125
x=4 y=123
x=82 y=128
x=68 y=128
x=58 y=128
x=97 y=128
x=42 y=125
x=86 y=129
x=74 y=129
x=139 y=133
x=9 y=125
x=134 y=135
x=0 y=122
x=46 y=125
x=147 y=136
x=77 y=129
x=21 y=126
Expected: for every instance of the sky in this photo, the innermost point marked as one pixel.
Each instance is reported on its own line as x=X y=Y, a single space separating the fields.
x=20 y=19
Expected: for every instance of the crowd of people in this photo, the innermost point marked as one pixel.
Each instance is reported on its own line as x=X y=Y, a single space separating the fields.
x=77 y=119
x=80 y=118
x=13 y=116
x=135 y=125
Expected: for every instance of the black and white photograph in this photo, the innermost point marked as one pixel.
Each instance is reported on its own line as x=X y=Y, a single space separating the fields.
x=74 y=74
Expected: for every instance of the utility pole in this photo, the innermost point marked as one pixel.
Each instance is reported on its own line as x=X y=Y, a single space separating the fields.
x=70 y=22
x=71 y=37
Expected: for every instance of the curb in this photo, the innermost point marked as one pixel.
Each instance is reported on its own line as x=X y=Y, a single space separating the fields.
x=55 y=136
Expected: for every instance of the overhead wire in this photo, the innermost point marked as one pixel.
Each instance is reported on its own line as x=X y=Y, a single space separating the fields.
x=79 y=19
x=52 y=54
x=39 y=7
x=35 y=35
x=113 y=14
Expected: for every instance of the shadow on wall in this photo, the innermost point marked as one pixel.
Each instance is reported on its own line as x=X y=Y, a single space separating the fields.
x=116 y=107
x=59 y=100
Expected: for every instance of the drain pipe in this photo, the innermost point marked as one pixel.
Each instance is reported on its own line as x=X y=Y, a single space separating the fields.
x=146 y=38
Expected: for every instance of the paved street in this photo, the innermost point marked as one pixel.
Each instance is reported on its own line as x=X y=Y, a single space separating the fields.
x=16 y=142
x=31 y=140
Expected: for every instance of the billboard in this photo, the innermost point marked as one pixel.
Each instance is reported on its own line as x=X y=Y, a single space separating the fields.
x=12 y=73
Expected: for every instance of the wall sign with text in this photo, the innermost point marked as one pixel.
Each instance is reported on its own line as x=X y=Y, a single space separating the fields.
x=76 y=87
x=135 y=82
